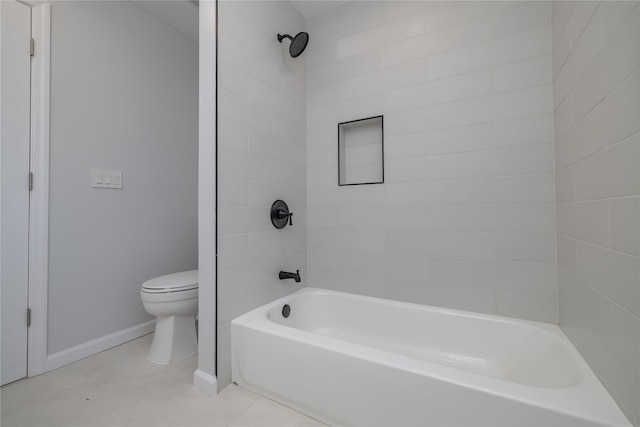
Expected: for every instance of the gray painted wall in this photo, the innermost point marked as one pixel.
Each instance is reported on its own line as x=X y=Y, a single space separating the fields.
x=124 y=96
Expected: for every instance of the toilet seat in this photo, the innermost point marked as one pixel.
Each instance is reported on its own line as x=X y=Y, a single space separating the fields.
x=176 y=282
x=169 y=290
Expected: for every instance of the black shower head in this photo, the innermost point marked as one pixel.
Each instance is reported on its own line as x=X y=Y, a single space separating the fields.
x=298 y=43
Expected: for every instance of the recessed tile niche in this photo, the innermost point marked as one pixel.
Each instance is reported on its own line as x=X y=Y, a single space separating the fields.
x=360 y=151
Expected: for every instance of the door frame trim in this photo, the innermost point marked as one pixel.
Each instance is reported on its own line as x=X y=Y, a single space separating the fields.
x=39 y=196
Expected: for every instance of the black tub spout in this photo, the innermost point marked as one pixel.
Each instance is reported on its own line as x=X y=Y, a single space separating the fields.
x=287 y=275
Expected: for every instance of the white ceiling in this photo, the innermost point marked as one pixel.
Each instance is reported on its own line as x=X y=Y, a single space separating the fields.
x=309 y=8
x=182 y=15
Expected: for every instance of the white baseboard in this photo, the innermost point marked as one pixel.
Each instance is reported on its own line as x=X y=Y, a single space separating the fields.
x=97 y=345
x=205 y=382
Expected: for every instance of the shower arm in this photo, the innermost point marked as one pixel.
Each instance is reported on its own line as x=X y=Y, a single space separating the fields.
x=285 y=36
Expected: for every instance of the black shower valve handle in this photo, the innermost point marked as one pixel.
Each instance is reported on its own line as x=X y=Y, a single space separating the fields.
x=283 y=214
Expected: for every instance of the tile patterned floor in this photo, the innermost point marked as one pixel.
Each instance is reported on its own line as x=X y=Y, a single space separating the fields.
x=120 y=387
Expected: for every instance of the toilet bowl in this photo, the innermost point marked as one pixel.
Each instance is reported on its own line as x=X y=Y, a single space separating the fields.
x=173 y=300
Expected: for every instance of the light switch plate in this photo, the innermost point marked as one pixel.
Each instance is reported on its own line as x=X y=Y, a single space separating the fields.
x=103 y=178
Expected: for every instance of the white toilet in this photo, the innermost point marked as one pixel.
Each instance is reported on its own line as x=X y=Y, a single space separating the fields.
x=173 y=299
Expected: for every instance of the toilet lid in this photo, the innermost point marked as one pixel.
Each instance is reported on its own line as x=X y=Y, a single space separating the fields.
x=175 y=282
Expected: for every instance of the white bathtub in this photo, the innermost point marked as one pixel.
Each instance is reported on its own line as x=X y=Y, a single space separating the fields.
x=352 y=360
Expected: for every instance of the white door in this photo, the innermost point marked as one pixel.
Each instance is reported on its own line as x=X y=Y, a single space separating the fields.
x=15 y=77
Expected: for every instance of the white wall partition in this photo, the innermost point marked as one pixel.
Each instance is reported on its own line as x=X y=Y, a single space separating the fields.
x=261 y=158
x=124 y=96
x=466 y=216
x=596 y=63
x=205 y=376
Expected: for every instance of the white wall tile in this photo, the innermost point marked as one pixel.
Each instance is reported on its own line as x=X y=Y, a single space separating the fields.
x=561 y=47
x=580 y=17
x=460 y=113
x=456 y=36
x=566 y=254
x=440 y=91
x=536 y=247
x=459 y=61
x=235 y=164
x=323 y=217
x=585 y=49
x=525 y=189
x=469 y=162
x=614 y=15
x=538 y=306
x=232 y=249
x=407 y=241
x=586 y=221
x=406 y=193
x=529 y=276
x=264 y=243
x=528 y=44
x=614 y=274
x=273 y=147
x=525 y=218
x=462 y=218
x=610 y=173
x=461 y=244
x=414 y=169
x=625 y=226
x=522 y=74
x=265 y=193
x=523 y=130
x=235 y=24
x=403 y=265
x=560 y=13
x=521 y=17
x=565 y=185
x=462 y=297
x=587 y=137
x=472 y=191
x=563 y=117
x=460 y=270
x=362 y=261
x=524 y=160
x=355 y=282
x=399 y=76
x=625 y=330
x=232 y=79
x=441 y=141
x=364 y=239
x=380 y=36
x=346 y=195
x=472 y=164
x=232 y=192
x=261 y=158
x=523 y=102
x=236 y=220
x=323 y=258
x=231 y=305
x=600 y=79
x=623 y=109
x=234 y=135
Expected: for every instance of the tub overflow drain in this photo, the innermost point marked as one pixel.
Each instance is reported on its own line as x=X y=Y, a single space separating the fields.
x=286 y=310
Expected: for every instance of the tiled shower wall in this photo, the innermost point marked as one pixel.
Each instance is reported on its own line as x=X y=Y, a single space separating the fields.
x=466 y=216
x=261 y=158
x=596 y=51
